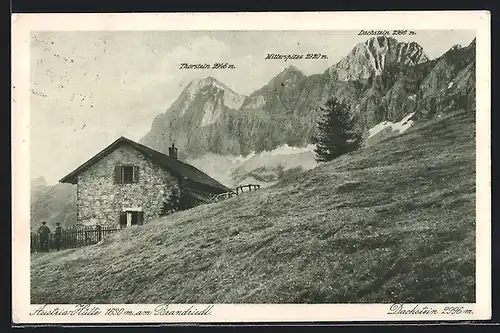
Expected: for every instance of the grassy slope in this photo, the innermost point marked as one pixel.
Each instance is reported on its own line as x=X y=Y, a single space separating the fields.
x=392 y=222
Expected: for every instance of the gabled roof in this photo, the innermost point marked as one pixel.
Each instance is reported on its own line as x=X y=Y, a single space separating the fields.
x=174 y=166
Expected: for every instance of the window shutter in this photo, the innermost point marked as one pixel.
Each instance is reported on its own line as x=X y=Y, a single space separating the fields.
x=136 y=174
x=140 y=218
x=123 y=219
x=118 y=174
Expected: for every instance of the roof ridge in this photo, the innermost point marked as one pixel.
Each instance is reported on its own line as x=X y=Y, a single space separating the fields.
x=163 y=160
x=173 y=159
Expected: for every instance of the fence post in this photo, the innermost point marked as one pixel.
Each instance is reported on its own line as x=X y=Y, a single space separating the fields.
x=99 y=233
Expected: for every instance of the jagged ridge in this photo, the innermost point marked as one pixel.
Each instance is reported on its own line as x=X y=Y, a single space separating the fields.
x=381 y=78
x=374 y=55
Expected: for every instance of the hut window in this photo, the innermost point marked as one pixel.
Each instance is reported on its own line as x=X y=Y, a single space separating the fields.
x=126 y=174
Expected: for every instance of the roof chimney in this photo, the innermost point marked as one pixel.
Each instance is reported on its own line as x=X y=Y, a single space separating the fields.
x=172 y=151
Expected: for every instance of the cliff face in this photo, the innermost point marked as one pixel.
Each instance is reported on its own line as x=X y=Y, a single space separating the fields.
x=197 y=120
x=382 y=79
x=450 y=83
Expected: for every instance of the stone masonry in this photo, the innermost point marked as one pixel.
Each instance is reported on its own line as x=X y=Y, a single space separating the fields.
x=100 y=200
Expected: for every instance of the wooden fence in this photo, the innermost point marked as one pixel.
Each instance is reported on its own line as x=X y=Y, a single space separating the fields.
x=73 y=237
x=247 y=188
x=237 y=191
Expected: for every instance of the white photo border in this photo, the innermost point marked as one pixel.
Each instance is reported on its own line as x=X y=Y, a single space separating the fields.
x=23 y=24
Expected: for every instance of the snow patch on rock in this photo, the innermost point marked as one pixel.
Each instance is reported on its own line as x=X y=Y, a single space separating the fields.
x=210 y=115
x=256 y=102
x=233 y=100
x=400 y=126
x=191 y=91
x=230 y=170
x=286 y=150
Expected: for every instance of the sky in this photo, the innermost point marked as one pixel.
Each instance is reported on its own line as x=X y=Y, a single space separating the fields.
x=89 y=88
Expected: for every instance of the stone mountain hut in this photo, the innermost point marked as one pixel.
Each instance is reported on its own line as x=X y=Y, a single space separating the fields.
x=128 y=183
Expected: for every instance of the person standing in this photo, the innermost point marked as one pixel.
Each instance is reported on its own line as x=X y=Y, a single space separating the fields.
x=58 y=236
x=44 y=233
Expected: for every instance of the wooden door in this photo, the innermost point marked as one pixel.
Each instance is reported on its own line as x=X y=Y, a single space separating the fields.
x=123 y=219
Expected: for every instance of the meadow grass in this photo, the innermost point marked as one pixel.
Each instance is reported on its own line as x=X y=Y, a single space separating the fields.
x=393 y=222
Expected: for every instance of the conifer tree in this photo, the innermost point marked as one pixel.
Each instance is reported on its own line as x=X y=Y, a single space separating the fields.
x=336 y=131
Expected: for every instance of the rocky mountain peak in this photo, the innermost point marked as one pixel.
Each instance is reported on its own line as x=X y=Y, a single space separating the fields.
x=289 y=75
x=293 y=70
x=374 y=55
x=290 y=72
x=196 y=85
x=456 y=47
x=232 y=99
x=380 y=42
